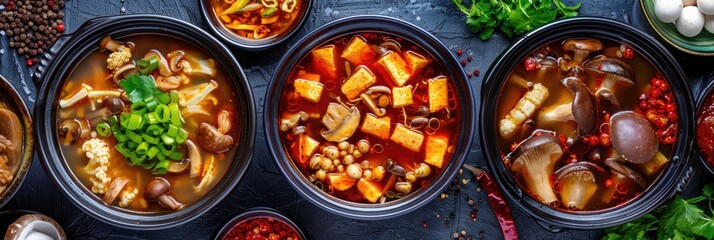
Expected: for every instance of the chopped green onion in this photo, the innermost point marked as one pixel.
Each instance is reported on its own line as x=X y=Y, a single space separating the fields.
x=176 y=119
x=152 y=118
x=152 y=104
x=134 y=122
x=152 y=152
x=145 y=66
x=161 y=167
x=160 y=156
x=121 y=137
x=122 y=150
x=137 y=159
x=167 y=140
x=173 y=131
x=142 y=148
x=166 y=149
x=174 y=96
x=269 y=12
x=134 y=137
x=149 y=164
x=176 y=155
x=103 y=129
x=163 y=98
x=181 y=136
x=138 y=108
x=163 y=113
x=132 y=145
x=113 y=120
x=150 y=139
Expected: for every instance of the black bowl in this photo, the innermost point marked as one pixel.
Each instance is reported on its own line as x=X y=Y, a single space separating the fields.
x=674 y=177
x=14 y=102
x=348 y=26
x=255 y=213
x=51 y=74
x=705 y=94
x=252 y=45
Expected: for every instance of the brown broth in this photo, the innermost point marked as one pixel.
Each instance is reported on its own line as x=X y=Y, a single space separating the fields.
x=284 y=21
x=514 y=89
x=291 y=103
x=92 y=71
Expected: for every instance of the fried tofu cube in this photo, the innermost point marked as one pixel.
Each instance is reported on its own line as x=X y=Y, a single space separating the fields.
x=402 y=96
x=340 y=182
x=360 y=80
x=306 y=147
x=379 y=127
x=438 y=94
x=407 y=138
x=358 y=52
x=416 y=62
x=369 y=190
x=325 y=61
x=435 y=151
x=309 y=90
x=394 y=66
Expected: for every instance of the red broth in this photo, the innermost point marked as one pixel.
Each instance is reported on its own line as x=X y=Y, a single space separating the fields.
x=385 y=157
x=258 y=228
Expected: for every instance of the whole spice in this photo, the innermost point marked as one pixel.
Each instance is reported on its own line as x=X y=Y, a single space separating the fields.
x=32 y=26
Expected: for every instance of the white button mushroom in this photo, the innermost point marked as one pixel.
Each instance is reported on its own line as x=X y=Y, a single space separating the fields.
x=691 y=22
x=709 y=23
x=667 y=10
x=706 y=6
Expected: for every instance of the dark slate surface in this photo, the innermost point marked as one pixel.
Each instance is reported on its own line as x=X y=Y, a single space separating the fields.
x=264 y=185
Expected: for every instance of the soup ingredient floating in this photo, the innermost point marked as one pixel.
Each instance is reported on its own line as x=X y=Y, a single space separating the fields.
x=579 y=130
x=10 y=145
x=512 y=17
x=257 y=19
x=262 y=228
x=369 y=117
x=689 y=19
x=679 y=218
x=147 y=132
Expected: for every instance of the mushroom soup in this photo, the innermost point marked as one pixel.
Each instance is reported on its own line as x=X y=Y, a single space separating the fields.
x=586 y=124
x=369 y=117
x=146 y=123
x=11 y=140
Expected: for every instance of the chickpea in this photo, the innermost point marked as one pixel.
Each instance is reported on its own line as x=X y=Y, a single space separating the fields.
x=315 y=161
x=378 y=173
x=363 y=146
x=320 y=174
x=336 y=162
x=343 y=145
x=326 y=164
x=357 y=154
x=341 y=168
x=349 y=159
x=343 y=153
x=423 y=170
x=367 y=174
x=331 y=152
x=411 y=177
x=365 y=164
x=354 y=171
x=403 y=187
x=351 y=148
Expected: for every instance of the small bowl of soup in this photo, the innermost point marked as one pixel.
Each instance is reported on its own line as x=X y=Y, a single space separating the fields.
x=16 y=141
x=255 y=25
x=369 y=117
x=144 y=126
x=587 y=123
x=260 y=223
x=705 y=125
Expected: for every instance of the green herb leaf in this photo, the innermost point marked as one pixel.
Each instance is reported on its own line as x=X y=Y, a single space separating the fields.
x=139 y=87
x=708 y=190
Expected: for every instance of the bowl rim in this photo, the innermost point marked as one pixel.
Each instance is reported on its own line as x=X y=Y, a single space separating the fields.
x=28 y=145
x=257 y=212
x=346 y=26
x=679 y=169
x=217 y=28
x=53 y=160
x=667 y=38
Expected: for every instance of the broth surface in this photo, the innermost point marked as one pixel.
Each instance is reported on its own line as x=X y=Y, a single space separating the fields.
x=259 y=19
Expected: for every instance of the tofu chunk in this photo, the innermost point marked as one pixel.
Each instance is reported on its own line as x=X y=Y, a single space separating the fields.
x=379 y=127
x=358 y=52
x=407 y=138
x=309 y=90
x=325 y=61
x=416 y=62
x=435 y=151
x=340 y=182
x=402 y=96
x=369 y=190
x=306 y=147
x=438 y=94
x=360 y=80
x=394 y=66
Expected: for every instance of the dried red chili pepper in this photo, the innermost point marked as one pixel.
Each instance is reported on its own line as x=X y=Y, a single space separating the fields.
x=498 y=202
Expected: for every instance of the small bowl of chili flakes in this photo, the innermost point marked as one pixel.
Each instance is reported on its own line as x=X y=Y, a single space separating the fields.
x=260 y=223
x=255 y=25
x=705 y=126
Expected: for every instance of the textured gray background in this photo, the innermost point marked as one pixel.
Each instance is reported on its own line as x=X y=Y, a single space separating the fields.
x=263 y=185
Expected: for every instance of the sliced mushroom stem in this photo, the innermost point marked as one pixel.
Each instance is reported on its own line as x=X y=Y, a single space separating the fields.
x=169 y=202
x=195 y=158
x=380 y=112
x=164 y=69
x=378 y=90
x=175 y=57
x=75 y=98
x=293 y=120
x=112 y=45
x=114 y=189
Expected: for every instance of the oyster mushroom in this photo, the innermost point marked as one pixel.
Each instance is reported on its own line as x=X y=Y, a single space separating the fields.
x=164 y=69
x=157 y=189
x=582 y=110
x=292 y=121
x=11 y=129
x=633 y=137
x=114 y=189
x=212 y=140
x=620 y=168
x=581 y=49
x=577 y=182
x=341 y=122
x=35 y=226
x=615 y=73
x=534 y=161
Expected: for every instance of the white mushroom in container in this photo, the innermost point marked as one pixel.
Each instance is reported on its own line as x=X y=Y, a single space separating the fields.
x=341 y=122
x=577 y=184
x=157 y=189
x=582 y=109
x=534 y=162
x=35 y=227
x=633 y=137
x=668 y=10
x=616 y=73
x=581 y=49
x=691 y=22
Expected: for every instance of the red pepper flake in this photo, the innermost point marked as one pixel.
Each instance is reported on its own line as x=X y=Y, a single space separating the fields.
x=459 y=52
x=530 y=64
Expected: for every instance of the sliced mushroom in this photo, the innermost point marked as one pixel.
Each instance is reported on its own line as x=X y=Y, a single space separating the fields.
x=128 y=68
x=209 y=174
x=535 y=158
x=157 y=189
x=114 y=104
x=578 y=185
x=378 y=90
x=114 y=189
x=11 y=129
x=582 y=110
x=633 y=137
x=168 y=83
x=194 y=156
x=86 y=129
x=179 y=166
x=109 y=44
x=212 y=140
x=35 y=226
x=164 y=69
x=581 y=49
x=70 y=129
x=292 y=121
x=380 y=112
x=341 y=122
x=615 y=73
x=620 y=168
x=394 y=167
x=224 y=121
x=176 y=61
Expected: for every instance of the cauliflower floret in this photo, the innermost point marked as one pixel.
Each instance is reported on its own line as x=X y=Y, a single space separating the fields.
x=97 y=152
x=127 y=196
x=119 y=58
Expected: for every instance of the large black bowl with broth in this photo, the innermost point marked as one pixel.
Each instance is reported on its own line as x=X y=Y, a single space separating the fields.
x=60 y=60
x=11 y=100
x=670 y=181
x=347 y=27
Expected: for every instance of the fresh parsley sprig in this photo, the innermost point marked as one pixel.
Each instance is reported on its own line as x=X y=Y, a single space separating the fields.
x=512 y=17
